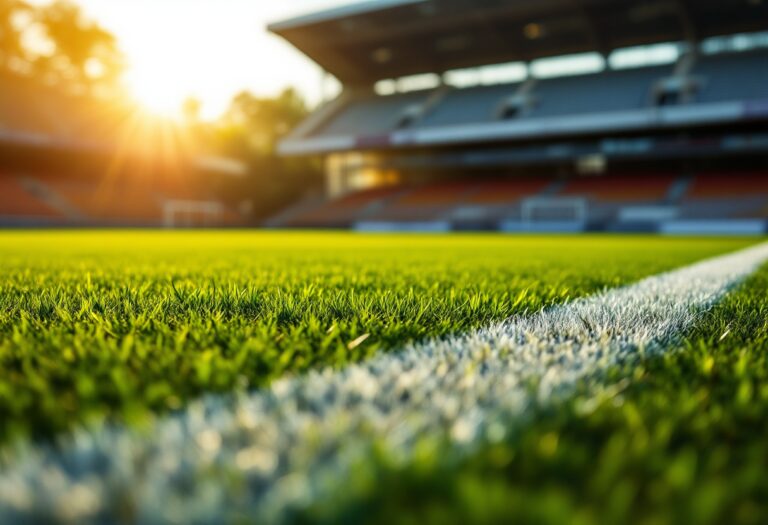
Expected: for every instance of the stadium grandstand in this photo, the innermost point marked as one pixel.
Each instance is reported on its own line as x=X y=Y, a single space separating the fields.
x=546 y=115
x=68 y=160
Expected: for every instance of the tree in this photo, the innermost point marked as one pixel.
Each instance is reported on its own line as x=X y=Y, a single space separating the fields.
x=251 y=130
x=263 y=122
x=84 y=55
x=60 y=46
x=11 y=48
x=191 y=109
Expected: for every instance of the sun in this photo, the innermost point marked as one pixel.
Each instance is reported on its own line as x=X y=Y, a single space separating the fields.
x=157 y=93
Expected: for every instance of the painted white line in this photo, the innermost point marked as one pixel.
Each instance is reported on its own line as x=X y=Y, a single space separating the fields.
x=262 y=454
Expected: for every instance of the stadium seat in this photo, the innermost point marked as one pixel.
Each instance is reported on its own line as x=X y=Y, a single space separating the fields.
x=110 y=205
x=732 y=76
x=620 y=90
x=726 y=195
x=345 y=210
x=469 y=106
x=426 y=203
x=725 y=185
x=17 y=202
x=617 y=188
x=439 y=194
x=509 y=190
x=372 y=115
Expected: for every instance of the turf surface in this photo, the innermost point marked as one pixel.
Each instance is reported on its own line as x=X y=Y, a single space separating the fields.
x=119 y=324
x=679 y=439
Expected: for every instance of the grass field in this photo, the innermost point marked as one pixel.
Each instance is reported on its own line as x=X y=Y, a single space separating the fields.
x=122 y=326
x=680 y=439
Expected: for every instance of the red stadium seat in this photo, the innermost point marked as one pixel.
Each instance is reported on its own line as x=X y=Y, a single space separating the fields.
x=426 y=203
x=723 y=185
x=440 y=194
x=114 y=204
x=344 y=210
x=507 y=190
x=16 y=201
x=136 y=203
x=614 y=188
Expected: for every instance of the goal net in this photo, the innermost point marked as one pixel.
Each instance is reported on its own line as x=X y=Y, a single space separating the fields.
x=192 y=214
x=554 y=209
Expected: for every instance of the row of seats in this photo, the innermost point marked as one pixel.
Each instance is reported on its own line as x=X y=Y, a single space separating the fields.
x=50 y=199
x=741 y=76
x=728 y=185
x=718 y=78
x=53 y=200
x=645 y=188
x=419 y=201
x=343 y=211
x=31 y=108
x=111 y=203
x=375 y=116
x=726 y=194
x=18 y=202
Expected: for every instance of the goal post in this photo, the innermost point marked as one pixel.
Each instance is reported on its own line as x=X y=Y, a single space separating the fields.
x=192 y=214
x=554 y=209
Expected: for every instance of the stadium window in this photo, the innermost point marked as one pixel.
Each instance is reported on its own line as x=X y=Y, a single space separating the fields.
x=463 y=78
x=731 y=43
x=578 y=64
x=385 y=87
x=641 y=56
x=506 y=73
x=418 y=82
x=503 y=73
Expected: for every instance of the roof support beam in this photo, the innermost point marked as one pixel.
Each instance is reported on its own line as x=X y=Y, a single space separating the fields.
x=598 y=38
x=686 y=21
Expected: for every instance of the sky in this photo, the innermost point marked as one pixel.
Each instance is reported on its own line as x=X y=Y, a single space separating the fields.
x=207 y=49
x=213 y=49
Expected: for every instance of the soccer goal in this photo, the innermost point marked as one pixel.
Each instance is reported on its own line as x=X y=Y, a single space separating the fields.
x=192 y=214
x=554 y=209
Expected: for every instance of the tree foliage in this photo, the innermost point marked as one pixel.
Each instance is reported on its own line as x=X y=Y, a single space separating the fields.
x=11 y=13
x=58 y=45
x=250 y=130
x=254 y=125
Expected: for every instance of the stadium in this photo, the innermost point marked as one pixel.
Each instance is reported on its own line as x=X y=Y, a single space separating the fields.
x=619 y=144
x=75 y=162
x=510 y=268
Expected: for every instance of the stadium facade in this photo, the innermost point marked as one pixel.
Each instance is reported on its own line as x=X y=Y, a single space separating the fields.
x=661 y=125
x=70 y=160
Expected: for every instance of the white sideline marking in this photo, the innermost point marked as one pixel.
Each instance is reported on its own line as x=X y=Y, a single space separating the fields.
x=291 y=443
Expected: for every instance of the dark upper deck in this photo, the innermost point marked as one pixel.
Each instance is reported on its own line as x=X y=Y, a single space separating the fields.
x=374 y=40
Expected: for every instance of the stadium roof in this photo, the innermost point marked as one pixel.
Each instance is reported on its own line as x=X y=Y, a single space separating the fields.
x=379 y=39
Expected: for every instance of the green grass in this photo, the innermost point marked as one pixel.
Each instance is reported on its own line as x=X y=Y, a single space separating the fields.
x=98 y=325
x=679 y=439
